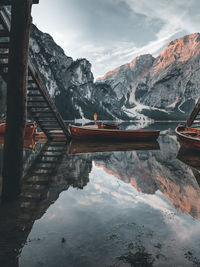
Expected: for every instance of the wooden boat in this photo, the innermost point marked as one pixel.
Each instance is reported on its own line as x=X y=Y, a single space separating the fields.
x=92 y=132
x=29 y=129
x=188 y=136
x=78 y=147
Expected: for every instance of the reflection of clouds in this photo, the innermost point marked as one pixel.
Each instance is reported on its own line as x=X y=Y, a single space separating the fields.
x=51 y=217
x=109 y=206
x=89 y=200
x=104 y=190
x=101 y=189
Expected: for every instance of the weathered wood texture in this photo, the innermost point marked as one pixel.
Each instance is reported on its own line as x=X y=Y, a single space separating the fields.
x=10 y=2
x=16 y=98
x=93 y=133
x=193 y=114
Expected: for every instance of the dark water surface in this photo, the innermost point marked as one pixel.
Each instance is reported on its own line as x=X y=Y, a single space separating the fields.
x=124 y=208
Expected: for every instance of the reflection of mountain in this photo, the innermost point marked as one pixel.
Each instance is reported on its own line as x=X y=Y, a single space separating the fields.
x=127 y=166
x=149 y=171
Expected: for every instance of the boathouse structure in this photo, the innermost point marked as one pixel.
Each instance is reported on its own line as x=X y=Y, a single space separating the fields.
x=25 y=92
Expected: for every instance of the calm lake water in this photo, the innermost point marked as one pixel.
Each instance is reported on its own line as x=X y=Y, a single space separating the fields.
x=139 y=207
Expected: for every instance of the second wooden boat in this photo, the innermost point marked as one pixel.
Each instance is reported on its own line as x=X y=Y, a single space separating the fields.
x=94 y=133
x=29 y=129
x=189 y=136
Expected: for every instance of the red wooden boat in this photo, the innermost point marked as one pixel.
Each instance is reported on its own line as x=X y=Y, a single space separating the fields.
x=29 y=129
x=92 y=132
x=189 y=136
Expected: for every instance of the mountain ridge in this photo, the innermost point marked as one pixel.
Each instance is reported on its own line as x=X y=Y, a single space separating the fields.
x=145 y=89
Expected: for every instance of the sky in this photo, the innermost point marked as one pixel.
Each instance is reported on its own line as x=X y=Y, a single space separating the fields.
x=110 y=33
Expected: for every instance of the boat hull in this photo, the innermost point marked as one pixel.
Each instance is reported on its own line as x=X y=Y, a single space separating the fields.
x=93 y=133
x=29 y=129
x=189 y=136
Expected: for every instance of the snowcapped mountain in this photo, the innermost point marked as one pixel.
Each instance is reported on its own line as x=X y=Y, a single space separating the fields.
x=165 y=87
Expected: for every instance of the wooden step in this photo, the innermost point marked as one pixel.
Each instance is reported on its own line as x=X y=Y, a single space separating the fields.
x=45 y=112
x=4 y=44
x=33 y=88
x=37 y=101
x=38 y=107
x=3 y=65
x=4 y=55
x=34 y=95
x=31 y=194
x=4 y=33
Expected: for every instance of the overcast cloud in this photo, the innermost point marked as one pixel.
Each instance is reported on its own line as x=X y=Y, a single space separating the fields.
x=110 y=33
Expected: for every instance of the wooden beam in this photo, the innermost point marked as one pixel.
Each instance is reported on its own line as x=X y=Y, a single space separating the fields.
x=16 y=99
x=9 y=2
x=193 y=114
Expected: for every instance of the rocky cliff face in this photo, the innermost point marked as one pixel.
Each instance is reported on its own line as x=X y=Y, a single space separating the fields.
x=162 y=88
x=71 y=82
x=159 y=88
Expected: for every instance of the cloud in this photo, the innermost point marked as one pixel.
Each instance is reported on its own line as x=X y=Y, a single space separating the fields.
x=110 y=33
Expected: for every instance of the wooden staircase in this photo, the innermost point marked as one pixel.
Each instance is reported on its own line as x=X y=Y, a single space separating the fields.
x=36 y=181
x=39 y=102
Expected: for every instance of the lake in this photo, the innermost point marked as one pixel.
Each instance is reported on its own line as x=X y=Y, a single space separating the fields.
x=133 y=206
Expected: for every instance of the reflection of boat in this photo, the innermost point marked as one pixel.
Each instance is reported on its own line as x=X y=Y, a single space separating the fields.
x=29 y=129
x=189 y=157
x=93 y=132
x=189 y=136
x=77 y=146
x=192 y=159
x=29 y=143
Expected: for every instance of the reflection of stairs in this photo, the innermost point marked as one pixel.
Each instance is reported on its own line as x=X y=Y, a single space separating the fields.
x=40 y=105
x=36 y=181
x=16 y=220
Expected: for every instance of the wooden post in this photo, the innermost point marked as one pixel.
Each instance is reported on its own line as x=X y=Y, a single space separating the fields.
x=16 y=98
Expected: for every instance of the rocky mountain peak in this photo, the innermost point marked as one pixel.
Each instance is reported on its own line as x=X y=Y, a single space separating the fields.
x=146 y=88
x=136 y=64
x=179 y=50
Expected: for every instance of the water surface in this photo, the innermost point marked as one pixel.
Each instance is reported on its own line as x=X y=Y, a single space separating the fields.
x=120 y=208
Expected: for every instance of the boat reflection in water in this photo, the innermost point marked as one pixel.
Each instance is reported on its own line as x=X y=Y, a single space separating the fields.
x=191 y=157
x=78 y=147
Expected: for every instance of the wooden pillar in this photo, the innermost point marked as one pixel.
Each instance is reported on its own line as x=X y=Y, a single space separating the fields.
x=16 y=98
